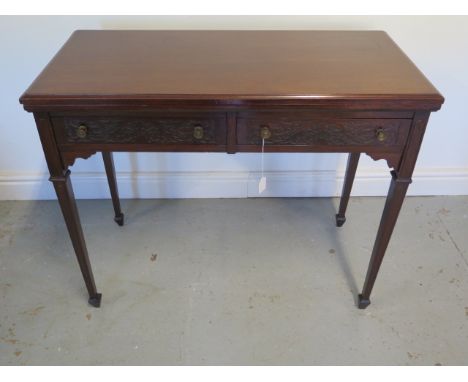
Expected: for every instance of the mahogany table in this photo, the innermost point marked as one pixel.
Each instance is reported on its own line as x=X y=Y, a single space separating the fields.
x=225 y=91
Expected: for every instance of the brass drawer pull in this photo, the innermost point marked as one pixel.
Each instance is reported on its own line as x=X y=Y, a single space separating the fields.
x=198 y=132
x=380 y=134
x=265 y=132
x=82 y=131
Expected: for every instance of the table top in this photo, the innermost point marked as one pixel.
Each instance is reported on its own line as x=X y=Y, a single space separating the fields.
x=232 y=66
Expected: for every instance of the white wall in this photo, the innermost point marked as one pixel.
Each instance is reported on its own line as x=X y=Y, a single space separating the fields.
x=438 y=45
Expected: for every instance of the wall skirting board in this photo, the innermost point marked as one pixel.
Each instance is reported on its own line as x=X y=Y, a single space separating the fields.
x=148 y=185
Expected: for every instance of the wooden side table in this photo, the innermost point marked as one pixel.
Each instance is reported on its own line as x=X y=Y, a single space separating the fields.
x=225 y=91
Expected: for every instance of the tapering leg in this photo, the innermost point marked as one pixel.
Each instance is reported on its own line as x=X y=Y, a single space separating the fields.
x=110 y=171
x=401 y=178
x=395 y=197
x=66 y=198
x=351 y=167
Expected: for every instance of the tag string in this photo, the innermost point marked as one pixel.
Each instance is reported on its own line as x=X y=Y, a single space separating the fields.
x=263 y=151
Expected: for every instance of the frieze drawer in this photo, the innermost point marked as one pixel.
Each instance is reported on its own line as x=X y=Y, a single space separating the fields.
x=288 y=131
x=207 y=129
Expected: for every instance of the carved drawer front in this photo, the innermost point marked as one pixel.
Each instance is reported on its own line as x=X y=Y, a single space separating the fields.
x=286 y=130
x=196 y=129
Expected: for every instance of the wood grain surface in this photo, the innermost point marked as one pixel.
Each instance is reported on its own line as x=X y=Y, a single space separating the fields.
x=230 y=67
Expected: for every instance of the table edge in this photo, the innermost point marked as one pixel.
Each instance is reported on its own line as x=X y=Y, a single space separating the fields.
x=430 y=102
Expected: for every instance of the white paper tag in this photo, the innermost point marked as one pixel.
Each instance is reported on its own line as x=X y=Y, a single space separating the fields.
x=262 y=184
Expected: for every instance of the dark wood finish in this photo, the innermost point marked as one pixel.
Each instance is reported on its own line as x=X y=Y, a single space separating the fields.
x=159 y=129
x=111 y=179
x=214 y=91
x=66 y=198
x=338 y=69
x=395 y=197
x=351 y=168
x=289 y=130
x=401 y=179
x=60 y=177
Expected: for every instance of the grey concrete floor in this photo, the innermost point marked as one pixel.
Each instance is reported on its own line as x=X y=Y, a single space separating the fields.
x=235 y=282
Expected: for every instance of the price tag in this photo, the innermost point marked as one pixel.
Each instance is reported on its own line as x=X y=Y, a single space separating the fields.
x=262 y=184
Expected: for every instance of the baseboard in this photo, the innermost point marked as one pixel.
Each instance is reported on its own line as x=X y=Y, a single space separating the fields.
x=232 y=184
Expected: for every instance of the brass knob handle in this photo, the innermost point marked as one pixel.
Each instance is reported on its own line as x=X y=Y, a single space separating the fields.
x=265 y=132
x=198 y=132
x=380 y=134
x=82 y=131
